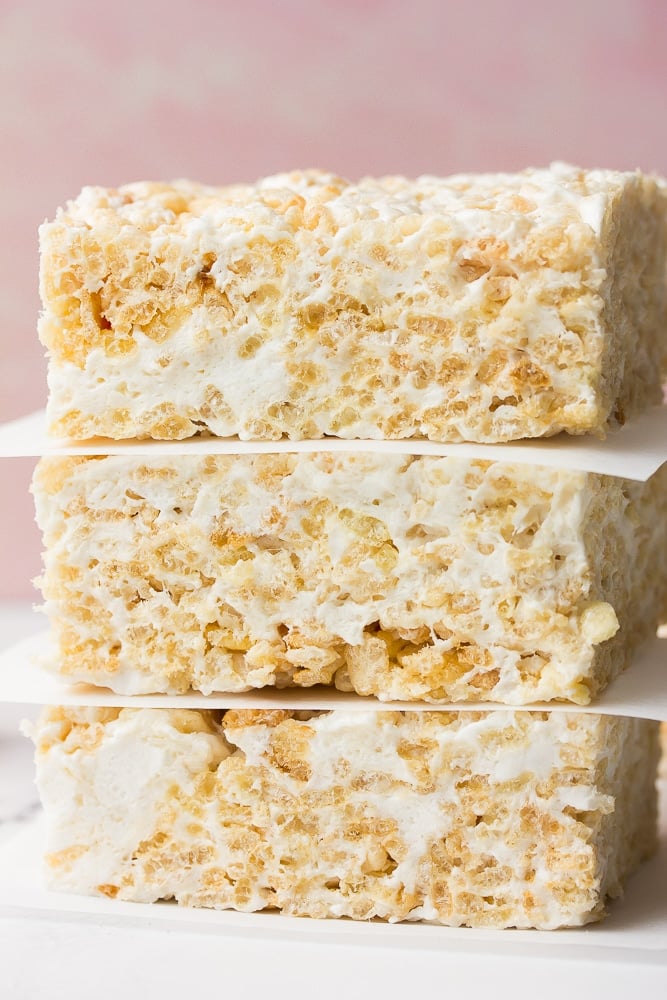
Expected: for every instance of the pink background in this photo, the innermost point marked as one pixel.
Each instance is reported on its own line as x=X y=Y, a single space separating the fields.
x=94 y=93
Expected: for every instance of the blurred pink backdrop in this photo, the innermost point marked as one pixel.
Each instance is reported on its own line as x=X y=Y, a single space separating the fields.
x=95 y=93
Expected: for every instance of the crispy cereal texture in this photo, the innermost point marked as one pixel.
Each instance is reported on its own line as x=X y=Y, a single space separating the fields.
x=484 y=308
x=405 y=578
x=504 y=819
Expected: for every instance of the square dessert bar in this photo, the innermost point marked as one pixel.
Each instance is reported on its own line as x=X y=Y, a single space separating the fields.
x=499 y=819
x=482 y=308
x=401 y=577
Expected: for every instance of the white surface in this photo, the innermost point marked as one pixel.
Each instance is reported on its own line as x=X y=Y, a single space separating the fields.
x=635 y=451
x=641 y=691
x=65 y=960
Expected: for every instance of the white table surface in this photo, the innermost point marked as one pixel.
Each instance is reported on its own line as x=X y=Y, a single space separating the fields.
x=59 y=955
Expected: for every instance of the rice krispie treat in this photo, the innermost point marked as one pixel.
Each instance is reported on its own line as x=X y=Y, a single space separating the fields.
x=500 y=819
x=402 y=577
x=483 y=308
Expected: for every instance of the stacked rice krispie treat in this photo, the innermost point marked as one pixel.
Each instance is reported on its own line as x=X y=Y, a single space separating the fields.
x=304 y=308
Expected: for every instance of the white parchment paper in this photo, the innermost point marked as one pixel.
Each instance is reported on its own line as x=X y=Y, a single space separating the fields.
x=635 y=451
x=640 y=692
